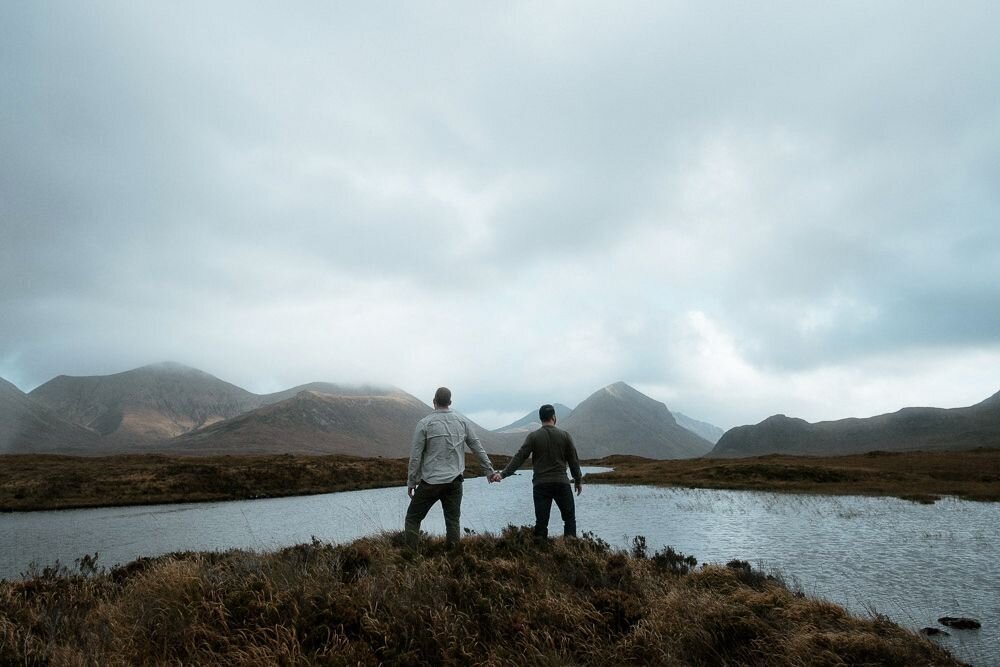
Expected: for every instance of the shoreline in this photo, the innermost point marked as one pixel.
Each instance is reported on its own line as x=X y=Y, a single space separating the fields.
x=43 y=482
x=39 y=483
x=195 y=499
x=923 y=477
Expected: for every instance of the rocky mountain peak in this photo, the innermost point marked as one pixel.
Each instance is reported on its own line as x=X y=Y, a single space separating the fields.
x=620 y=419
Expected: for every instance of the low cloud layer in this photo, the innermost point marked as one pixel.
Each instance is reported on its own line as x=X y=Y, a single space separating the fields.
x=739 y=210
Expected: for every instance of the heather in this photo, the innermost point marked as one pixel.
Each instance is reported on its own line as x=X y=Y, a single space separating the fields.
x=497 y=600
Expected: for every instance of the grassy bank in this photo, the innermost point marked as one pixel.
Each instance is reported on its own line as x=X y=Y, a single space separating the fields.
x=921 y=476
x=59 y=482
x=62 y=482
x=497 y=601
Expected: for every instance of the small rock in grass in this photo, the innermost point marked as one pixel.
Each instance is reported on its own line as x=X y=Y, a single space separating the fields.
x=931 y=632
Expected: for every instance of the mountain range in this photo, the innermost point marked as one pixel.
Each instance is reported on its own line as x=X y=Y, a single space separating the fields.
x=375 y=423
x=172 y=408
x=529 y=422
x=616 y=419
x=906 y=430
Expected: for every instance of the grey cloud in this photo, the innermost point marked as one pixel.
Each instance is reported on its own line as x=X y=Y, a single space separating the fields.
x=820 y=180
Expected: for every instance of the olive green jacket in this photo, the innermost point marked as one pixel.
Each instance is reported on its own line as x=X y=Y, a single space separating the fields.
x=551 y=450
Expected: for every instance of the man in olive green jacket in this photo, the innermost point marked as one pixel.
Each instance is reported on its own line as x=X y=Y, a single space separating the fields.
x=551 y=450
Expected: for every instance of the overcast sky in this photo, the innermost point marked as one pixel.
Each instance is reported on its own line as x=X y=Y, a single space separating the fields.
x=739 y=208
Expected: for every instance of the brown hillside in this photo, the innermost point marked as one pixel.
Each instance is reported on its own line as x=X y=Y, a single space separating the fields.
x=146 y=404
x=151 y=408
x=313 y=423
x=909 y=429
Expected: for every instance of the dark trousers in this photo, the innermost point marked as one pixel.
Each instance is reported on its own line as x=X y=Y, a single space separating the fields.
x=450 y=495
x=543 y=495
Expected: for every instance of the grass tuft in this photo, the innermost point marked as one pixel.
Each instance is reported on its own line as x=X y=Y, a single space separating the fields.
x=496 y=600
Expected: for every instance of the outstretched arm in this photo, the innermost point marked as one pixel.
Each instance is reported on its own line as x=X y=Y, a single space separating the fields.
x=574 y=465
x=518 y=459
x=416 y=458
x=473 y=443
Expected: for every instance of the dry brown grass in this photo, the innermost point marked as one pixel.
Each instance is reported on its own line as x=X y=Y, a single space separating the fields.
x=920 y=476
x=497 y=601
x=61 y=482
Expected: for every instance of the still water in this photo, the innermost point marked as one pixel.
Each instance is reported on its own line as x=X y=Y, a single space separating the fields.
x=911 y=562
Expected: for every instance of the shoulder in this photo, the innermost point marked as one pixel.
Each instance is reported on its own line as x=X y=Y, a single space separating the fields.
x=558 y=432
x=427 y=420
x=535 y=435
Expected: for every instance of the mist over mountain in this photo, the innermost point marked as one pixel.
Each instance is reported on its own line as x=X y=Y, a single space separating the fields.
x=621 y=420
x=529 y=422
x=907 y=429
x=313 y=422
x=709 y=432
x=156 y=408
x=171 y=407
x=331 y=389
x=26 y=426
x=146 y=404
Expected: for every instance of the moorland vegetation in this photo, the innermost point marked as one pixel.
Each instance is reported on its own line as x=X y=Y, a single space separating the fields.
x=919 y=476
x=497 y=600
x=46 y=482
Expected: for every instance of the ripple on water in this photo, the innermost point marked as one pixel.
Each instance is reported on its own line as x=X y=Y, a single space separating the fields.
x=911 y=562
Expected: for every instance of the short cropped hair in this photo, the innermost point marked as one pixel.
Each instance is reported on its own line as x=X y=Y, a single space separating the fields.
x=546 y=412
x=442 y=397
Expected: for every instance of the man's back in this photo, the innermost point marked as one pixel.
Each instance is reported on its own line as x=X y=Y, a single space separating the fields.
x=551 y=450
x=445 y=430
x=438 y=450
x=437 y=461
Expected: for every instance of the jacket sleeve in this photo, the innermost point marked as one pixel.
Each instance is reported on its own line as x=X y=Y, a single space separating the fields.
x=573 y=460
x=472 y=441
x=518 y=459
x=416 y=455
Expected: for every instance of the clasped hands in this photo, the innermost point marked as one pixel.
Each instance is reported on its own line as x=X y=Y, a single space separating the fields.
x=495 y=477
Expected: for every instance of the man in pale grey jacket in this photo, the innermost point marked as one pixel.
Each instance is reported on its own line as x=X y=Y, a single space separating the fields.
x=437 y=461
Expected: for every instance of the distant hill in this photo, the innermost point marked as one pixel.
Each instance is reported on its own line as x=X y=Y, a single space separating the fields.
x=529 y=422
x=144 y=405
x=621 y=420
x=171 y=407
x=906 y=430
x=379 y=423
x=313 y=422
x=331 y=389
x=710 y=432
x=26 y=426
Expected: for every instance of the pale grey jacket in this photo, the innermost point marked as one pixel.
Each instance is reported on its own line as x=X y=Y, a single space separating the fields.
x=437 y=453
